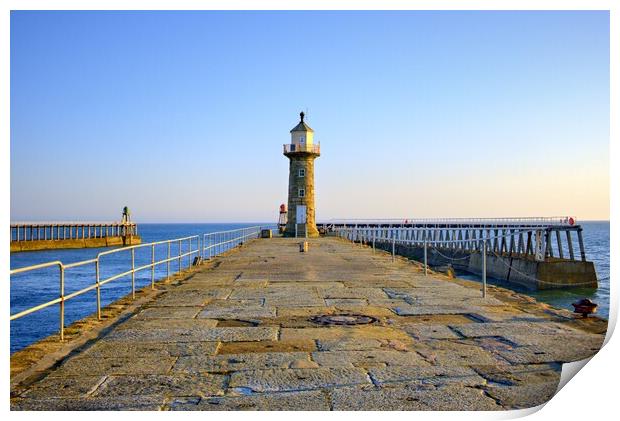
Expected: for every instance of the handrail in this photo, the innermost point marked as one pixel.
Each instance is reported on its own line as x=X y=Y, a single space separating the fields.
x=526 y=220
x=217 y=245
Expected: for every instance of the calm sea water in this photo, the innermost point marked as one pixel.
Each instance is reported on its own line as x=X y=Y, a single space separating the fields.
x=41 y=286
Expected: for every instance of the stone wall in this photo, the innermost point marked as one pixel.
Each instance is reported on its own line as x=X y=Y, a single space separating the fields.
x=74 y=243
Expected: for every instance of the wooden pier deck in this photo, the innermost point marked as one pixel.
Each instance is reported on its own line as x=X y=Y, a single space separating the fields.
x=238 y=335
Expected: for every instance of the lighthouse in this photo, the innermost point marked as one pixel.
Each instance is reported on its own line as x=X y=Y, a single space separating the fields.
x=301 y=152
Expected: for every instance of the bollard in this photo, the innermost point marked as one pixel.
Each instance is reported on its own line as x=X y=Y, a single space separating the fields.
x=303 y=247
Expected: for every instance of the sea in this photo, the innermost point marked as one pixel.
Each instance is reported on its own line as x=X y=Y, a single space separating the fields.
x=39 y=286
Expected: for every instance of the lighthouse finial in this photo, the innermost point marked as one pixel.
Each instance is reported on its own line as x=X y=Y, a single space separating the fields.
x=301 y=115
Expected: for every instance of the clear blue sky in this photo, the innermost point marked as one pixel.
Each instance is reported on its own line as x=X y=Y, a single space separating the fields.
x=182 y=115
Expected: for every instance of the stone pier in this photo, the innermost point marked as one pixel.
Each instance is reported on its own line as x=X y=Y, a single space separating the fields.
x=240 y=334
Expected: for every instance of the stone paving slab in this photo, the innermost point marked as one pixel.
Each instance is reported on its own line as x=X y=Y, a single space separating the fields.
x=429 y=375
x=286 y=401
x=301 y=345
x=243 y=312
x=423 y=332
x=106 y=348
x=281 y=380
x=372 y=332
x=223 y=334
x=87 y=366
x=162 y=385
x=169 y=313
x=523 y=396
x=418 y=310
x=412 y=399
x=123 y=403
x=238 y=362
x=369 y=358
x=148 y=324
x=65 y=387
x=238 y=334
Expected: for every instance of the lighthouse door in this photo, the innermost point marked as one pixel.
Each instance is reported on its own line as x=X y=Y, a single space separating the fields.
x=300 y=219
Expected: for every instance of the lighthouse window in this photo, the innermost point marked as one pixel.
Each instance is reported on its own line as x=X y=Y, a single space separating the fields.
x=302 y=192
x=302 y=139
x=302 y=172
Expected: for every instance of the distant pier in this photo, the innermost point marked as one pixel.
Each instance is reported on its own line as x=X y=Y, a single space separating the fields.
x=72 y=235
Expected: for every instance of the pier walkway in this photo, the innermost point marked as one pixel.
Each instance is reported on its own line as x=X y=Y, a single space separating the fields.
x=242 y=333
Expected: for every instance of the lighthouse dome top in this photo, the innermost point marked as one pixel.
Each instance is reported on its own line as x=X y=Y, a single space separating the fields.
x=301 y=127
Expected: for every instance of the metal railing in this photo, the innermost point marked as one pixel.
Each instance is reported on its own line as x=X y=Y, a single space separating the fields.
x=500 y=222
x=313 y=148
x=393 y=236
x=205 y=246
x=495 y=242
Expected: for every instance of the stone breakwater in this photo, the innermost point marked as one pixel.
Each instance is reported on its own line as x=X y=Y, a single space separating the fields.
x=239 y=334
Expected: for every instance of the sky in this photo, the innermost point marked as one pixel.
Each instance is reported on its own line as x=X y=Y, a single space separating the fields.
x=182 y=115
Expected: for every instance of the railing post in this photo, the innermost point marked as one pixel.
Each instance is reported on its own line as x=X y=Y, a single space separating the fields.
x=393 y=245
x=98 y=289
x=189 y=252
x=180 y=256
x=425 y=258
x=168 y=263
x=484 y=269
x=152 y=266
x=208 y=241
x=62 y=303
x=201 y=249
x=374 y=234
x=133 y=273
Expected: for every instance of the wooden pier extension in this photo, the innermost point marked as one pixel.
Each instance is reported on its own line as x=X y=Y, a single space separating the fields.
x=65 y=235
